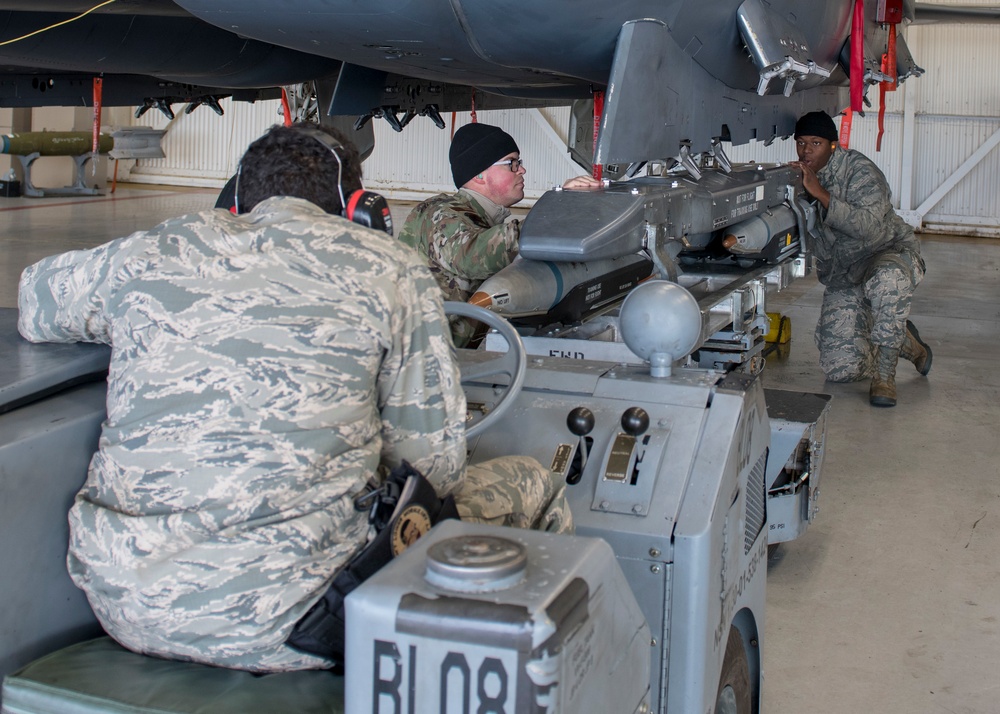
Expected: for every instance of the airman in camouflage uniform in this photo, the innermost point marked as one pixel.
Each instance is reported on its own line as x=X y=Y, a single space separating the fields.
x=264 y=367
x=868 y=258
x=465 y=240
x=465 y=237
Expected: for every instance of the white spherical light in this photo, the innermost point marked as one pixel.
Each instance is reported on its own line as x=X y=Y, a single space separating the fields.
x=660 y=322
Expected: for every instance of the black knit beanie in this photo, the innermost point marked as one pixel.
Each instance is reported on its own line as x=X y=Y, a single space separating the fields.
x=817 y=124
x=475 y=148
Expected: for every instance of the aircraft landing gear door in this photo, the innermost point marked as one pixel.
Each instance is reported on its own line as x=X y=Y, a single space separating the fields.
x=630 y=464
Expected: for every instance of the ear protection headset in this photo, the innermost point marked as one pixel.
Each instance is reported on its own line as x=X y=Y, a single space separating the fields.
x=364 y=207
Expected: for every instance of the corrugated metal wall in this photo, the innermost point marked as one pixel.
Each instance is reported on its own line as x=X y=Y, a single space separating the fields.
x=411 y=164
x=933 y=124
x=202 y=148
x=414 y=163
x=952 y=111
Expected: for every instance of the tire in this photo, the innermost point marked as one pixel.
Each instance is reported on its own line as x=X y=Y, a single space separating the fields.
x=734 y=696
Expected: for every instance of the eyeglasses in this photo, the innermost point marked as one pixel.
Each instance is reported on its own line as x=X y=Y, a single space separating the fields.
x=514 y=164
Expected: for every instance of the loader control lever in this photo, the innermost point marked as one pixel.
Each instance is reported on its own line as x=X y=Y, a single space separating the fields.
x=635 y=421
x=580 y=421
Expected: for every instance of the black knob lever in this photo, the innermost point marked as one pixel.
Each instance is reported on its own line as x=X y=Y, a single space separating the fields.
x=635 y=421
x=580 y=422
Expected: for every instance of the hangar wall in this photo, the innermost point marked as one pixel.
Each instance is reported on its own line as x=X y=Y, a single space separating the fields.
x=409 y=165
x=938 y=151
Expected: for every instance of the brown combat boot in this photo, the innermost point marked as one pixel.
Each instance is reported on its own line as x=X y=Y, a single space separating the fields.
x=883 y=389
x=915 y=350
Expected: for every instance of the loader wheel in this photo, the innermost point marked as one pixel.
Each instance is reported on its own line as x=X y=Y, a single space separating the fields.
x=734 y=682
x=475 y=365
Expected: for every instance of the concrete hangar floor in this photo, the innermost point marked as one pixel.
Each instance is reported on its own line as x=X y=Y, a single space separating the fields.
x=890 y=602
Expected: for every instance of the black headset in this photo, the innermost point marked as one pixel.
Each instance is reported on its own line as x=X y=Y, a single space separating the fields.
x=364 y=207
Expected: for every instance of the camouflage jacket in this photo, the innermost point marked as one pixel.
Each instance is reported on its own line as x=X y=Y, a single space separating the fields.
x=461 y=242
x=860 y=223
x=263 y=367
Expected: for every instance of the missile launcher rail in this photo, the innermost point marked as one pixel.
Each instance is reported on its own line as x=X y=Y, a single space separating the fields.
x=682 y=227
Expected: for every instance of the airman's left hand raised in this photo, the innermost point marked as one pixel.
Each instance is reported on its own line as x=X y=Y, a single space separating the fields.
x=582 y=182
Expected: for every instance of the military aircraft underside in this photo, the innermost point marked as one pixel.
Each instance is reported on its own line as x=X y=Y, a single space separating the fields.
x=674 y=72
x=677 y=75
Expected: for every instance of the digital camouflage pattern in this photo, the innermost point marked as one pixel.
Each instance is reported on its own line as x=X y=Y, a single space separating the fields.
x=855 y=321
x=462 y=242
x=869 y=259
x=464 y=239
x=514 y=491
x=263 y=367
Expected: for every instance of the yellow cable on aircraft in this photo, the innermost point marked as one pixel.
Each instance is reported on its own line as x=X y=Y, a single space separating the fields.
x=58 y=24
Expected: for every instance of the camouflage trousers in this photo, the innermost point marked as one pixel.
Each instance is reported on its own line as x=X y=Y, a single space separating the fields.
x=514 y=491
x=855 y=321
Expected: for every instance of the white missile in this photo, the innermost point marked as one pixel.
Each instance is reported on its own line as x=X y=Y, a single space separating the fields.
x=754 y=235
x=560 y=291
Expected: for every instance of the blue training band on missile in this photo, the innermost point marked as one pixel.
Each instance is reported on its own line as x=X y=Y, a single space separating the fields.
x=559 y=282
x=5 y=149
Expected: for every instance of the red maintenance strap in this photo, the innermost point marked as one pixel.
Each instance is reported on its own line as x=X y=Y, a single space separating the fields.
x=598 y=170
x=286 y=109
x=858 y=56
x=845 y=129
x=98 y=91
